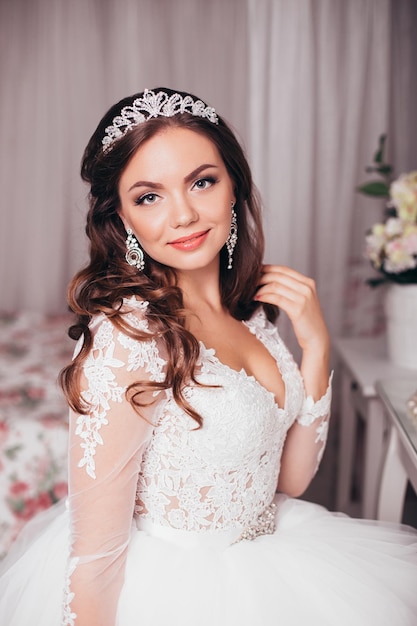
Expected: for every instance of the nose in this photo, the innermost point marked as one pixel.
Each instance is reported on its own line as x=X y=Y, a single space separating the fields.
x=183 y=212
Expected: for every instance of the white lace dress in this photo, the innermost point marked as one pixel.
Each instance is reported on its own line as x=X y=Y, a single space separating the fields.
x=167 y=524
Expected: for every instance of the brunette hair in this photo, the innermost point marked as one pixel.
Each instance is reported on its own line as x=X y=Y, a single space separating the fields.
x=107 y=280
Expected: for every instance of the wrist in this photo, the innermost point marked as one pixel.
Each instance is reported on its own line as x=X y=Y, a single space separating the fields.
x=317 y=349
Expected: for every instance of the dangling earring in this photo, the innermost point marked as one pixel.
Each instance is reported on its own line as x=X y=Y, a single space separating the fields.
x=134 y=254
x=232 y=238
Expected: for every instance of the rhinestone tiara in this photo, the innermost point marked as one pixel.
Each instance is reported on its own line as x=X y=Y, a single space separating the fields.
x=153 y=104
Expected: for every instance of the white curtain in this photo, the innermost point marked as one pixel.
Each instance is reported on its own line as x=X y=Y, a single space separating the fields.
x=320 y=84
x=307 y=84
x=62 y=65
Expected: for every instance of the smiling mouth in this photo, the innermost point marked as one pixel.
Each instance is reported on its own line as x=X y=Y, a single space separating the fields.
x=191 y=242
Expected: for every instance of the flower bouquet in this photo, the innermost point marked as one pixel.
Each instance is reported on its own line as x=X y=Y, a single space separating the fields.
x=391 y=245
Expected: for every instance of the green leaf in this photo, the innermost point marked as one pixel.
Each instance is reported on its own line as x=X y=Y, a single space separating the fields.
x=375 y=188
x=384 y=169
x=379 y=154
x=375 y=282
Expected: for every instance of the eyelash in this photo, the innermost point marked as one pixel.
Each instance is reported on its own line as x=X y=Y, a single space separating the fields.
x=146 y=196
x=207 y=179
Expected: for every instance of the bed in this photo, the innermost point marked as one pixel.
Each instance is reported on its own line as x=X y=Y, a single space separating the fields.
x=33 y=417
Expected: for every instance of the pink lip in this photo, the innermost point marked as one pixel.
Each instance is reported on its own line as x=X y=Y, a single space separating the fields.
x=190 y=243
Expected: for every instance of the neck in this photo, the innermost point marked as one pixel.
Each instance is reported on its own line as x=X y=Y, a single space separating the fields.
x=201 y=289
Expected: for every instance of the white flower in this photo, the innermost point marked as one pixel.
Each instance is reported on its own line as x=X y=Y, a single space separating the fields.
x=410 y=239
x=403 y=192
x=391 y=246
x=393 y=227
x=398 y=259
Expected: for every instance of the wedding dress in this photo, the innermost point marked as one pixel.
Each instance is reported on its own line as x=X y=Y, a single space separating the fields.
x=167 y=524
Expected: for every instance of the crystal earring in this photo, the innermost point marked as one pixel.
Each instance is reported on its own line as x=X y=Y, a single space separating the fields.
x=134 y=254
x=232 y=238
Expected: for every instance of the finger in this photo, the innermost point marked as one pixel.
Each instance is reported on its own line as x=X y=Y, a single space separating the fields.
x=280 y=290
x=289 y=300
x=290 y=278
x=289 y=287
x=285 y=271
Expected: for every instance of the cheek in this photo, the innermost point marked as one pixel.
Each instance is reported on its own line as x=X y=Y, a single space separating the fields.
x=148 y=229
x=227 y=216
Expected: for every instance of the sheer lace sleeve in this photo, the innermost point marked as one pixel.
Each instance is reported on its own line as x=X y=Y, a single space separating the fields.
x=316 y=415
x=105 y=452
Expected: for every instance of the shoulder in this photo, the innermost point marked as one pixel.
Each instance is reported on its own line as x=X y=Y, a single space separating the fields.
x=133 y=312
x=259 y=323
x=104 y=328
x=126 y=341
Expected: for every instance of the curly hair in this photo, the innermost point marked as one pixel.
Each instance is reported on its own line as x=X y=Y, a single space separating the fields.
x=107 y=280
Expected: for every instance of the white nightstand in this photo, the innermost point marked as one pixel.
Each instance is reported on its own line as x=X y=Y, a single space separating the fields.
x=363 y=361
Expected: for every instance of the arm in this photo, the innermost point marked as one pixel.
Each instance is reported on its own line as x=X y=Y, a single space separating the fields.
x=105 y=452
x=296 y=295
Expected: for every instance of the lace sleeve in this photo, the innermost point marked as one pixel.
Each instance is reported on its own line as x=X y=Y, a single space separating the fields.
x=317 y=413
x=105 y=452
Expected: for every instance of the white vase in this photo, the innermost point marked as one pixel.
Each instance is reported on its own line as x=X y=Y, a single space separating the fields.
x=401 y=320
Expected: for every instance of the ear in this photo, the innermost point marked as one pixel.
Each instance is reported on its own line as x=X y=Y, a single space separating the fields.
x=123 y=219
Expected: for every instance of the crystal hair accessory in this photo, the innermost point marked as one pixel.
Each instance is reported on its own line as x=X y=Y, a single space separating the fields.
x=153 y=104
x=134 y=254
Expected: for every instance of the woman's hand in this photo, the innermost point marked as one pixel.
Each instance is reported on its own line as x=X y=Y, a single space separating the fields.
x=296 y=295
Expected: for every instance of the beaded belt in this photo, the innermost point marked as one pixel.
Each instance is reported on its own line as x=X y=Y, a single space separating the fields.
x=216 y=539
x=265 y=525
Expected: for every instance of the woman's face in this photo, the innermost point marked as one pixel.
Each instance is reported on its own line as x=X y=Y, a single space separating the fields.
x=176 y=194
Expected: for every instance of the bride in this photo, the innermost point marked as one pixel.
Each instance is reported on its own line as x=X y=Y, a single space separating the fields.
x=192 y=429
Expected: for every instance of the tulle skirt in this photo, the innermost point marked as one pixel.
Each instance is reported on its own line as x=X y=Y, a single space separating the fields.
x=317 y=568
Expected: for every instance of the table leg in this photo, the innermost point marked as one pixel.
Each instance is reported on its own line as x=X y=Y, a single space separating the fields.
x=347 y=434
x=376 y=426
x=393 y=483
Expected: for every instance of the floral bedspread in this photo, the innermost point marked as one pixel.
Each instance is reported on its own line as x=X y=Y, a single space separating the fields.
x=33 y=417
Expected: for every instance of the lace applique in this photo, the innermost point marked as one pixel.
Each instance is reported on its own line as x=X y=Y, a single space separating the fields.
x=143 y=354
x=136 y=321
x=268 y=334
x=311 y=411
x=102 y=388
x=224 y=474
x=68 y=616
x=321 y=431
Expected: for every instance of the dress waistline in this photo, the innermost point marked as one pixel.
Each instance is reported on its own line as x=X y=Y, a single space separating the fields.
x=211 y=539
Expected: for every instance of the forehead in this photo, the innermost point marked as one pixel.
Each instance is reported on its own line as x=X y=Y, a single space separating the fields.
x=172 y=151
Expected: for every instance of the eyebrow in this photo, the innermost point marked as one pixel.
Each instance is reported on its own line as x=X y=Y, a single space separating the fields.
x=187 y=179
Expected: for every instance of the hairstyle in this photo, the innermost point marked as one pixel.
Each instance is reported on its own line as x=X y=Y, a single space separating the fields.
x=107 y=280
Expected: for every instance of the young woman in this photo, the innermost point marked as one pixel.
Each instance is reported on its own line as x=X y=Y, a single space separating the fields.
x=188 y=413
